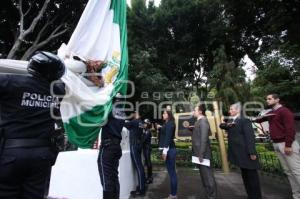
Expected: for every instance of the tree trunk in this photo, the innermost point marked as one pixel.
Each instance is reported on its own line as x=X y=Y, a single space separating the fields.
x=14 y=49
x=29 y=52
x=25 y=32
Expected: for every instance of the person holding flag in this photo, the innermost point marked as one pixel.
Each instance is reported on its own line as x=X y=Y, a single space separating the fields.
x=135 y=128
x=110 y=152
x=27 y=124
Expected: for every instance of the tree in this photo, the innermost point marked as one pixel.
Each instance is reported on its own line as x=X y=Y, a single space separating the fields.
x=263 y=26
x=228 y=81
x=32 y=25
x=277 y=76
x=188 y=32
x=267 y=32
x=142 y=52
x=176 y=41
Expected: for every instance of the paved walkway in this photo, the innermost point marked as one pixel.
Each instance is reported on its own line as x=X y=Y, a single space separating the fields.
x=229 y=186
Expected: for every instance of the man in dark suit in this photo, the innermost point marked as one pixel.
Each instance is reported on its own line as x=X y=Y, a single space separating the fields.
x=202 y=150
x=241 y=150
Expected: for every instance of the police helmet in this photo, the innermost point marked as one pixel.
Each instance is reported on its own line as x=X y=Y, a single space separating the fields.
x=46 y=65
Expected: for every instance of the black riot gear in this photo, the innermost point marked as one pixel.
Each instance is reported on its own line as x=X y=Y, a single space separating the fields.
x=46 y=65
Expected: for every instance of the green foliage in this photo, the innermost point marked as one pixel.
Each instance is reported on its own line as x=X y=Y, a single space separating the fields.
x=228 y=80
x=142 y=54
x=271 y=22
x=278 y=77
x=268 y=160
x=179 y=37
x=266 y=31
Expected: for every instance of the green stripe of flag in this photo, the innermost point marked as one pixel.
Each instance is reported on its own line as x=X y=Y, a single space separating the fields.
x=85 y=136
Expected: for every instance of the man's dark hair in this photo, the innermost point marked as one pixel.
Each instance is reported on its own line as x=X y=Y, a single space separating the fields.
x=202 y=108
x=275 y=95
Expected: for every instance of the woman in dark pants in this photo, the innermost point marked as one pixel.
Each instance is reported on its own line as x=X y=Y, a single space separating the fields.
x=169 y=151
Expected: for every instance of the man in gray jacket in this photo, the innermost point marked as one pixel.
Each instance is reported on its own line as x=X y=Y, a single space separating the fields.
x=201 y=149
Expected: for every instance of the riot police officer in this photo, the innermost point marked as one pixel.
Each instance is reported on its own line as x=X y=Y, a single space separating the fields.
x=146 y=142
x=135 y=128
x=27 y=102
x=110 y=151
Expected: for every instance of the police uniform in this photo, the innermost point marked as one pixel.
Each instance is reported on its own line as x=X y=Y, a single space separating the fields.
x=147 y=153
x=26 y=125
x=135 y=140
x=110 y=153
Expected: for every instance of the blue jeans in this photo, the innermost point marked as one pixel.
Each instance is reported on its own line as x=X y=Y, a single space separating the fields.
x=170 y=163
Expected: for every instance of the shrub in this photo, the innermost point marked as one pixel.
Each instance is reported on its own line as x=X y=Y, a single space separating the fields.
x=268 y=160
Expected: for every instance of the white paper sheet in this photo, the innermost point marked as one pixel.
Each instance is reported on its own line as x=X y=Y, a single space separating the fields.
x=206 y=162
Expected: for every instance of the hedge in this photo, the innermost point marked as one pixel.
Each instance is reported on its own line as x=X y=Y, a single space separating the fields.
x=268 y=160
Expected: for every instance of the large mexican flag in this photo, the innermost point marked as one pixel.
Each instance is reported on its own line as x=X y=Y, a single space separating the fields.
x=100 y=35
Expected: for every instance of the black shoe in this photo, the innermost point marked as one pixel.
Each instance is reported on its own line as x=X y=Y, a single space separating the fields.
x=149 y=180
x=110 y=195
x=137 y=193
x=136 y=189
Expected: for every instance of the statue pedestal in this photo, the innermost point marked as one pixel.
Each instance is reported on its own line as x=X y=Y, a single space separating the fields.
x=75 y=175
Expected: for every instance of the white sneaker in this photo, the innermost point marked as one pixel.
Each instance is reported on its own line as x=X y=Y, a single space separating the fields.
x=171 y=197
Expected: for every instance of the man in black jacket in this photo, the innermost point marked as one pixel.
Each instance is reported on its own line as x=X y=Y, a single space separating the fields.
x=26 y=124
x=241 y=150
